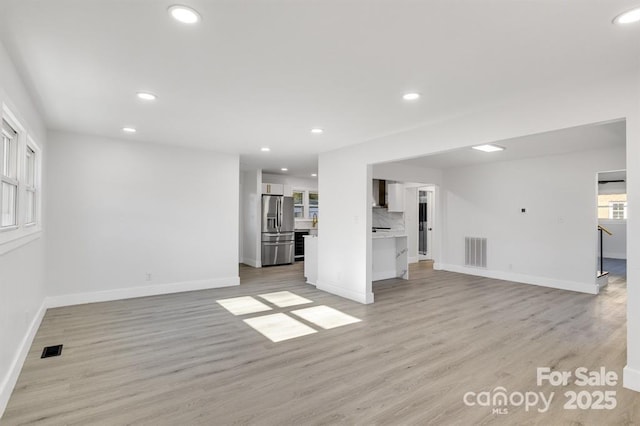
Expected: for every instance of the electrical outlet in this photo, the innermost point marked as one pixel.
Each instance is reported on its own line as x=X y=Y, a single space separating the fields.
x=148 y=276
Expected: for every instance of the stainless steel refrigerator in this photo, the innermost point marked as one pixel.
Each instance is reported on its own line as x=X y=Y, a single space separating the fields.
x=277 y=230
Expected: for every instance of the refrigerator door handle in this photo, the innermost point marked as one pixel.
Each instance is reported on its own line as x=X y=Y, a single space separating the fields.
x=279 y=214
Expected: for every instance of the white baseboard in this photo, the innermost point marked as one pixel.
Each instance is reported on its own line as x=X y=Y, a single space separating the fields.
x=413 y=260
x=131 y=292
x=252 y=262
x=615 y=255
x=9 y=381
x=631 y=378
x=602 y=281
x=365 y=298
x=589 y=288
x=384 y=275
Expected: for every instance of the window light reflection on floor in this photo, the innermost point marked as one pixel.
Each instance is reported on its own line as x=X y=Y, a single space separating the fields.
x=325 y=317
x=279 y=327
x=283 y=299
x=243 y=305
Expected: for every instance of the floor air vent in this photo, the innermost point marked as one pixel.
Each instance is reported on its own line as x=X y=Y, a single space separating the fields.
x=475 y=252
x=50 y=351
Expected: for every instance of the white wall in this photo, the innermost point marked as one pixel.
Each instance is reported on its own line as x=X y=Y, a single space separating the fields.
x=295 y=181
x=22 y=287
x=120 y=209
x=404 y=173
x=344 y=258
x=251 y=221
x=554 y=243
x=615 y=246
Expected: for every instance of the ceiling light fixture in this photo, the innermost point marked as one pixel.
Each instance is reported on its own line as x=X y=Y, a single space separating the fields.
x=317 y=131
x=184 y=14
x=314 y=175
x=146 y=96
x=411 y=96
x=488 y=148
x=284 y=169
x=628 y=17
x=265 y=149
x=129 y=130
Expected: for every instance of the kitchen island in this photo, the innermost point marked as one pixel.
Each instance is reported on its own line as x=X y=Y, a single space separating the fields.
x=390 y=256
x=311 y=258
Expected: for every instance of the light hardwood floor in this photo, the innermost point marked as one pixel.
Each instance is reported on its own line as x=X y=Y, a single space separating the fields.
x=182 y=359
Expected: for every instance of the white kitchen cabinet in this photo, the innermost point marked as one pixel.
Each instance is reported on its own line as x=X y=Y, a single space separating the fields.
x=288 y=191
x=273 y=188
x=395 y=194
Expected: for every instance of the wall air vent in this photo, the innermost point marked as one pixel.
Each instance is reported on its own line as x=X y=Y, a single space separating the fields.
x=475 y=252
x=50 y=351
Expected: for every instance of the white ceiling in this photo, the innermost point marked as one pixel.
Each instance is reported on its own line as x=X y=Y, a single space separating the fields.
x=575 y=139
x=264 y=72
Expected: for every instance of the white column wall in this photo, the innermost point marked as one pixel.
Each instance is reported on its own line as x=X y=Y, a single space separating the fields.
x=344 y=252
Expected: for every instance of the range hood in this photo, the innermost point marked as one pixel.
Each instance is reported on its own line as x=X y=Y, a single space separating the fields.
x=379 y=193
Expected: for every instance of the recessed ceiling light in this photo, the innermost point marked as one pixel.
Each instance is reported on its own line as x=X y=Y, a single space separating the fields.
x=411 y=96
x=628 y=17
x=488 y=148
x=265 y=149
x=314 y=175
x=184 y=14
x=284 y=169
x=317 y=131
x=146 y=96
x=129 y=130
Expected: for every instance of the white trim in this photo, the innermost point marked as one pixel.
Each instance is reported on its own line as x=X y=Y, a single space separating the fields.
x=414 y=259
x=251 y=262
x=143 y=291
x=384 y=275
x=602 y=281
x=10 y=236
x=365 y=298
x=615 y=255
x=10 y=380
x=20 y=241
x=631 y=378
x=589 y=288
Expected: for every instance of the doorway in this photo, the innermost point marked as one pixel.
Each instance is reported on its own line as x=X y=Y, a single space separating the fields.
x=425 y=224
x=612 y=224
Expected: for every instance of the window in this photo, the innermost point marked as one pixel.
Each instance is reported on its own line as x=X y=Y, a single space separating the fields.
x=20 y=165
x=30 y=186
x=617 y=210
x=305 y=203
x=313 y=204
x=8 y=177
x=612 y=206
x=298 y=204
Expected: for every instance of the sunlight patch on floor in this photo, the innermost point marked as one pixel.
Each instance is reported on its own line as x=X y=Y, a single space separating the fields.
x=243 y=305
x=279 y=327
x=283 y=299
x=325 y=317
